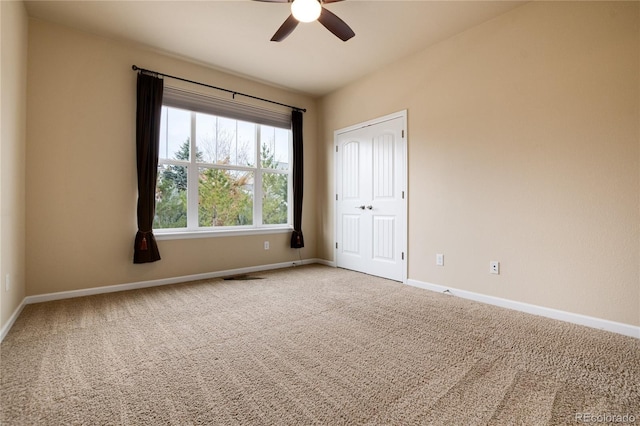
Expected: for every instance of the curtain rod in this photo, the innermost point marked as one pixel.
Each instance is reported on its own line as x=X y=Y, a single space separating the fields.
x=233 y=92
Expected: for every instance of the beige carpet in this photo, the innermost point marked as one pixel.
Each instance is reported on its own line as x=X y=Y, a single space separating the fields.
x=307 y=345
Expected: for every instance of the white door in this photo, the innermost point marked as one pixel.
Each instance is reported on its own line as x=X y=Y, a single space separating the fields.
x=370 y=197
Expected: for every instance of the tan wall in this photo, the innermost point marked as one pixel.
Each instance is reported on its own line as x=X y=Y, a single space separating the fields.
x=13 y=111
x=524 y=147
x=81 y=177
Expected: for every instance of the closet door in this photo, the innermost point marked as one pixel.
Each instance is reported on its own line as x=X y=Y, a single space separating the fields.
x=370 y=198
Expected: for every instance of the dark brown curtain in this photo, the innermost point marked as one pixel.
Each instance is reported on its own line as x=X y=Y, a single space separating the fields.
x=148 y=112
x=297 y=240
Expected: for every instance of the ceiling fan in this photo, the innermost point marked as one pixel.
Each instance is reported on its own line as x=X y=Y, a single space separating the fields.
x=309 y=11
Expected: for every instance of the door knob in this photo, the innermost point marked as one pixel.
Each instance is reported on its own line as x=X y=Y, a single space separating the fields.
x=370 y=207
x=360 y=207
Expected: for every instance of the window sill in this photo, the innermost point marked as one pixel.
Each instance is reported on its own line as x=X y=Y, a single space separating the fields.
x=185 y=235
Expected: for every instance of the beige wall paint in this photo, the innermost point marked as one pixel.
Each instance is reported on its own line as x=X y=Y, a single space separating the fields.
x=524 y=147
x=81 y=176
x=13 y=87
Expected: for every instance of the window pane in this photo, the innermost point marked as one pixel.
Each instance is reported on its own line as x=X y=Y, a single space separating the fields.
x=275 y=198
x=275 y=147
x=225 y=197
x=206 y=131
x=246 y=144
x=171 y=197
x=224 y=141
x=175 y=133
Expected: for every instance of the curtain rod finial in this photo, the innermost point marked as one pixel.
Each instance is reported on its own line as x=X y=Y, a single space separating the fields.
x=134 y=67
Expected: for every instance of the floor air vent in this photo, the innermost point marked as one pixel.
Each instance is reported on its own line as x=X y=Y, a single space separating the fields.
x=241 y=278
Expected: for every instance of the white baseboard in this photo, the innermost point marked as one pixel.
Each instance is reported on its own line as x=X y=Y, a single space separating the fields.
x=164 y=281
x=5 y=329
x=601 y=324
x=325 y=262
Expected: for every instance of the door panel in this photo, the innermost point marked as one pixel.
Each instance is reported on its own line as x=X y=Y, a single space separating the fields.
x=383 y=238
x=383 y=166
x=370 y=208
x=351 y=170
x=351 y=235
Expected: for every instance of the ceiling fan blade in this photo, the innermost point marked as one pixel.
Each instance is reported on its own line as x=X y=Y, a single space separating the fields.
x=285 y=29
x=336 y=25
x=280 y=1
x=329 y=1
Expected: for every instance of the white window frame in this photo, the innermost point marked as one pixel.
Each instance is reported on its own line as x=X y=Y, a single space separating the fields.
x=193 y=230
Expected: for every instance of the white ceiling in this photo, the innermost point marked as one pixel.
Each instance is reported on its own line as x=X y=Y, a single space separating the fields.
x=233 y=35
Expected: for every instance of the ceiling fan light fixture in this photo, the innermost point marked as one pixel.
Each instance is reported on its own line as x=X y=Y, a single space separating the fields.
x=306 y=10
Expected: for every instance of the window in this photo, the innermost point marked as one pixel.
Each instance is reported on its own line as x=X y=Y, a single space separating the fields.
x=219 y=173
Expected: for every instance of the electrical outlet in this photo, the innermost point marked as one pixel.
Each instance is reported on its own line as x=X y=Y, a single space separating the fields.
x=266 y=245
x=439 y=259
x=494 y=267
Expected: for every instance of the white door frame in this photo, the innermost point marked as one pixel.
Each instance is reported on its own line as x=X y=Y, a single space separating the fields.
x=404 y=230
